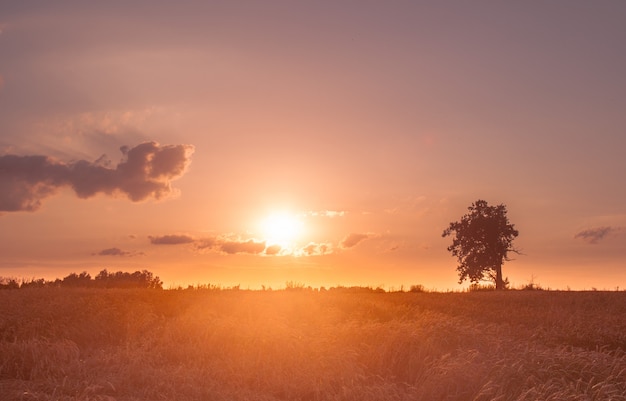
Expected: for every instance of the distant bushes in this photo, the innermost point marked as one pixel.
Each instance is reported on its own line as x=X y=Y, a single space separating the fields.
x=104 y=279
x=138 y=279
x=8 y=283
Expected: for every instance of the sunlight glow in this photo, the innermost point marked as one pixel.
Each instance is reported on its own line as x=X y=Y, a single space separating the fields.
x=282 y=228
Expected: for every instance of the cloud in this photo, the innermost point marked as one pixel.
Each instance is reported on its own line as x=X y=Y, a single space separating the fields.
x=249 y=246
x=312 y=249
x=146 y=171
x=353 y=239
x=230 y=245
x=205 y=243
x=218 y=244
x=273 y=249
x=326 y=213
x=116 y=252
x=594 y=235
x=171 y=239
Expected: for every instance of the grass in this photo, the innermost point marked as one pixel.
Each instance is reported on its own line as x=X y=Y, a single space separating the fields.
x=97 y=344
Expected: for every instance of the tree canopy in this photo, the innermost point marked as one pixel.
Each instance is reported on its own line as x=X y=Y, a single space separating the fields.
x=104 y=279
x=481 y=242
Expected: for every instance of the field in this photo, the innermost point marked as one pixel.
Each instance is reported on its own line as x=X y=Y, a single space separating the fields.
x=99 y=344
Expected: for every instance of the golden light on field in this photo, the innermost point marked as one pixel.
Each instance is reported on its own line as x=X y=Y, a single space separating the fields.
x=282 y=228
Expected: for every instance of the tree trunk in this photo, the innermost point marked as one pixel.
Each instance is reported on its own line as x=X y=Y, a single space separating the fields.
x=499 y=281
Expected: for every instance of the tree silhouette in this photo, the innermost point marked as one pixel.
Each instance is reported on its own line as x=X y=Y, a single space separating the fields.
x=104 y=279
x=138 y=279
x=77 y=280
x=7 y=283
x=481 y=242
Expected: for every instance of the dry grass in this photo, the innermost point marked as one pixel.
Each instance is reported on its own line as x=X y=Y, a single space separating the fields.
x=303 y=345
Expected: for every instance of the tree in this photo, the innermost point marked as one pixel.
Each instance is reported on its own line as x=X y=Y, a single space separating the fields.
x=77 y=280
x=7 y=283
x=481 y=242
x=138 y=279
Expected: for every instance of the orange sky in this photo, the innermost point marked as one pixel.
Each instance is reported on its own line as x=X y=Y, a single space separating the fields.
x=371 y=124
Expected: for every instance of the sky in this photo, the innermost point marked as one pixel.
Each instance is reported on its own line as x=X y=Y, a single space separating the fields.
x=317 y=142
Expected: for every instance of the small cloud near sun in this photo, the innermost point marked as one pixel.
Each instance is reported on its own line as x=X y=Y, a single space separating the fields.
x=223 y=244
x=326 y=213
x=314 y=249
x=249 y=246
x=231 y=244
x=273 y=249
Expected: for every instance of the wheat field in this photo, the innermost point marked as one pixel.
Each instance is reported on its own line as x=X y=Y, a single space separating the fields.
x=208 y=344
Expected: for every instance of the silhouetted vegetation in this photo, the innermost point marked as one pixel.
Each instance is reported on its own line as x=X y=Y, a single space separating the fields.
x=36 y=283
x=482 y=240
x=77 y=280
x=417 y=288
x=9 y=283
x=143 y=279
x=104 y=279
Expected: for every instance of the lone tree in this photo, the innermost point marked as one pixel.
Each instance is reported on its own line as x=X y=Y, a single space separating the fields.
x=481 y=242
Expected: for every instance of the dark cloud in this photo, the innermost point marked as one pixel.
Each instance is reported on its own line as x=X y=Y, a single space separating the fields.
x=171 y=239
x=146 y=171
x=249 y=246
x=594 y=235
x=115 y=252
x=353 y=239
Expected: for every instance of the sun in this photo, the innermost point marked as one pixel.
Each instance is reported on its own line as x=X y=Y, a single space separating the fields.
x=282 y=228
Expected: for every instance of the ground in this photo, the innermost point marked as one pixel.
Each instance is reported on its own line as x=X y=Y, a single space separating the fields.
x=300 y=344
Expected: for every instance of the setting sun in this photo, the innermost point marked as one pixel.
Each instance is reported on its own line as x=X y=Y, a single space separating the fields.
x=247 y=200
x=281 y=228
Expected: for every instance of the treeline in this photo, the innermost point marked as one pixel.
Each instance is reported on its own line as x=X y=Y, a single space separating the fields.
x=104 y=279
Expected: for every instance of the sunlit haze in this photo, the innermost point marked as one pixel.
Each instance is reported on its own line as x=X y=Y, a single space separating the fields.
x=282 y=228
x=324 y=143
